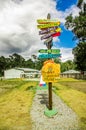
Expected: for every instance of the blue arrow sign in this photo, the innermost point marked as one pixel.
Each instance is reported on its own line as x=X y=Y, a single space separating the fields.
x=46 y=56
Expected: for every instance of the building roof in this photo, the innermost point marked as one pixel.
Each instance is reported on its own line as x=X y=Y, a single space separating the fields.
x=71 y=72
x=27 y=69
x=24 y=69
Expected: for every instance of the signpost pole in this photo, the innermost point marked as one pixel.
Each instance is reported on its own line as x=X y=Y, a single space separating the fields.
x=50 y=83
x=53 y=70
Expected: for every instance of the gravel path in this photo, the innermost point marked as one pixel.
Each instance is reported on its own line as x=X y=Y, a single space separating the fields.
x=65 y=119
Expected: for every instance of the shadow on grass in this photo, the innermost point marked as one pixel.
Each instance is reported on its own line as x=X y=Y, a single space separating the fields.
x=30 y=88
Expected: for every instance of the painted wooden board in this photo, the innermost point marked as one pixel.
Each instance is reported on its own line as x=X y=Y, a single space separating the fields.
x=50 y=71
x=44 y=21
x=56 y=34
x=49 y=30
x=46 y=56
x=48 y=25
x=52 y=51
x=48 y=40
x=53 y=34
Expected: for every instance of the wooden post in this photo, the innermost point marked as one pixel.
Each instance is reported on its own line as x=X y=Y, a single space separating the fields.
x=50 y=83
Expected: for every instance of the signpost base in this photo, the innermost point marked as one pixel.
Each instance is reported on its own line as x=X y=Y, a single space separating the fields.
x=50 y=113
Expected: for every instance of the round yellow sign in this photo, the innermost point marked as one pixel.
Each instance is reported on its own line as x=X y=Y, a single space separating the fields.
x=50 y=71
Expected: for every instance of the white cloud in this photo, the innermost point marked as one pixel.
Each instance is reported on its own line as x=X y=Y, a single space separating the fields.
x=66 y=54
x=18 y=26
x=63 y=14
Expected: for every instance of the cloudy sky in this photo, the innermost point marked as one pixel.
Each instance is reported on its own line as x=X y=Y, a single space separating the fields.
x=18 y=26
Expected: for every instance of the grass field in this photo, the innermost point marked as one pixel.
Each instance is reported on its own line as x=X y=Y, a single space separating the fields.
x=16 y=98
x=73 y=92
x=15 y=105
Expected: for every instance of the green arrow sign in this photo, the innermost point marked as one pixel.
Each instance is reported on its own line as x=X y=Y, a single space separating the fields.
x=52 y=51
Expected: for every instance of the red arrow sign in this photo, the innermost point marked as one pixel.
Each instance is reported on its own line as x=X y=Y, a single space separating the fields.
x=56 y=34
x=53 y=34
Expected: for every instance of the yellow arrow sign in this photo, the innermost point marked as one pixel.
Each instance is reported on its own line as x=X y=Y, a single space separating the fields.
x=41 y=26
x=44 y=21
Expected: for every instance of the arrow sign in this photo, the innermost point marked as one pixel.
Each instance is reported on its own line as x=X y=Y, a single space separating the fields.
x=48 y=40
x=45 y=36
x=48 y=25
x=46 y=56
x=53 y=51
x=53 y=34
x=44 y=21
x=49 y=30
x=56 y=34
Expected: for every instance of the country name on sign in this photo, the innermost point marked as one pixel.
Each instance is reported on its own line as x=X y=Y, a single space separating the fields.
x=45 y=36
x=53 y=34
x=46 y=79
x=48 y=25
x=44 y=21
x=50 y=78
x=54 y=51
x=49 y=56
x=48 y=30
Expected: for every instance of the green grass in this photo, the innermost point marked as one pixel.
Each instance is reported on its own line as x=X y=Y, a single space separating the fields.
x=73 y=94
x=16 y=101
x=15 y=105
x=79 y=85
x=8 y=85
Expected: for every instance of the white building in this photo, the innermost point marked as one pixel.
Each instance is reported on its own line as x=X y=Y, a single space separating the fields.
x=21 y=73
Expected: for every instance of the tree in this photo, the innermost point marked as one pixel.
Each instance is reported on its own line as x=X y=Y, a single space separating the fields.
x=68 y=65
x=79 y=4
x=2 y=65
x=17 y=60
x=29 y=64
x=78 y=27
x=80 y=56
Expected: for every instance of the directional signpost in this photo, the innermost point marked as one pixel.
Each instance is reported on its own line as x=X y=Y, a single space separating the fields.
x=50 y=70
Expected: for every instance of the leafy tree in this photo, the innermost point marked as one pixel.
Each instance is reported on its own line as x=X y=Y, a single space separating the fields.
x=17 y=60
x=80 y=56
x=78 y=27
x=68 y=65
x=79 y=4
x=2 y=65
x=29 y=64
